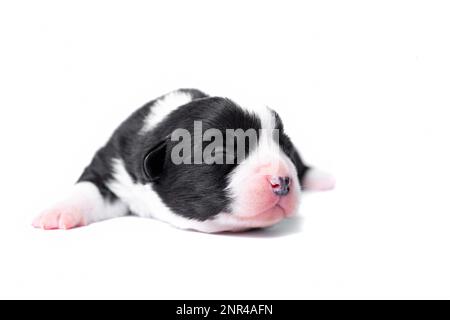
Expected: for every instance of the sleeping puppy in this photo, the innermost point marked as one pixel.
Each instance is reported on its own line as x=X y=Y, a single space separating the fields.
x=194 y=161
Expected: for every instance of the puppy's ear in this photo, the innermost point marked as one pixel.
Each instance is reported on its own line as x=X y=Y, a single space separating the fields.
x=154 y=161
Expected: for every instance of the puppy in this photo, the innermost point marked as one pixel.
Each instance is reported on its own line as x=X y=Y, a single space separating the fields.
x=194 y=161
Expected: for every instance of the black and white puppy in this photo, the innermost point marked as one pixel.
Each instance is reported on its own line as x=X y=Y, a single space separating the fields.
x=169 y=161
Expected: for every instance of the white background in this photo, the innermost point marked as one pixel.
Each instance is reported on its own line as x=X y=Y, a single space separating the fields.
x=362 y=86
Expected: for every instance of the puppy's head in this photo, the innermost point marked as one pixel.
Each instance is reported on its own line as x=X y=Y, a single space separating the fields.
x=212 y=160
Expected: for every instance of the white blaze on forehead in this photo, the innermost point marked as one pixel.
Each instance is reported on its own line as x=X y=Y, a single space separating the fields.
x=163 y=107
x=263 y=113
x=268 y=135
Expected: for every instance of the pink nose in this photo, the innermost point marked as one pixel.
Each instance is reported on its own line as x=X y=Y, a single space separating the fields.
x=280 y=185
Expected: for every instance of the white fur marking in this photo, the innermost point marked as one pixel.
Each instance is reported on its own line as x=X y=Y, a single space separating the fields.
x=97 y=208
x=163 y=107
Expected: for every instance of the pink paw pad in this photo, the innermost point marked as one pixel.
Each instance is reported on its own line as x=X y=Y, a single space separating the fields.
x=60 y=218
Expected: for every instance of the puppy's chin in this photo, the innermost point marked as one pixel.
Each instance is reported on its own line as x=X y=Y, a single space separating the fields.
x=265 y=218
x=283 y=208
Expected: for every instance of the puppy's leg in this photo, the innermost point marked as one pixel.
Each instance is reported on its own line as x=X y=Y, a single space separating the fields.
x=310 y=178
x=84 y=205
x=316 y=180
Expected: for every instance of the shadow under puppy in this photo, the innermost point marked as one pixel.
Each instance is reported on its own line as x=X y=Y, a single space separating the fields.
x=144 y=169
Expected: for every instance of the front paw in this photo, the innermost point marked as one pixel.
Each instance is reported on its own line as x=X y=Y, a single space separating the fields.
x=60 y=217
